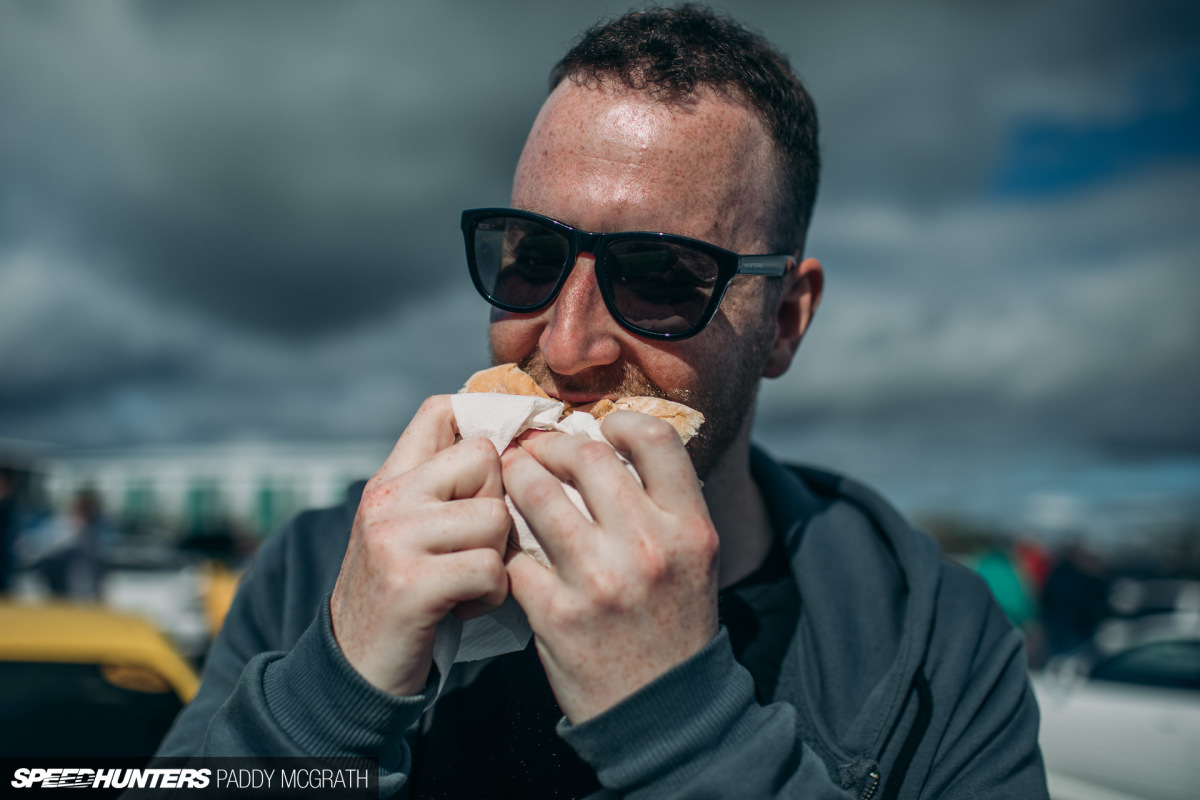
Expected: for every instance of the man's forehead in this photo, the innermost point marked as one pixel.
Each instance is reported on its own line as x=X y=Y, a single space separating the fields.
x=616 y=159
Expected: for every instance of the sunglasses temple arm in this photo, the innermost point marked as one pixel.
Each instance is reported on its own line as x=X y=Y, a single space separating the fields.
x=773 y=266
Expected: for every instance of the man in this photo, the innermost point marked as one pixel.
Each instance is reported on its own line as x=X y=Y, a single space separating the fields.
x=770 y=632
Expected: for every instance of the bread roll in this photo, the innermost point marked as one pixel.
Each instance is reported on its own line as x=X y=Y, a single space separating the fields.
x=511 y=379
x=686 y=421
x=504 y=379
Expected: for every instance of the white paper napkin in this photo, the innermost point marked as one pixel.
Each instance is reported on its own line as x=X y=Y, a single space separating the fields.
x=500 y=418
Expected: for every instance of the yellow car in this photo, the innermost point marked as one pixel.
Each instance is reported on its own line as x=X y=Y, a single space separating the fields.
x=85 y=681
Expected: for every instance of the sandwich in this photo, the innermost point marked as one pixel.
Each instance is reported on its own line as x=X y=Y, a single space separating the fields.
x=511 y=379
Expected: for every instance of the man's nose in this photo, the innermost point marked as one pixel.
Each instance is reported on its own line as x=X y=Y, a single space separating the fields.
x=579 y=332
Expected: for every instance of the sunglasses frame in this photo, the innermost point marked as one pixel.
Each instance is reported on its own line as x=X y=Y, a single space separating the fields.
x=728 y=264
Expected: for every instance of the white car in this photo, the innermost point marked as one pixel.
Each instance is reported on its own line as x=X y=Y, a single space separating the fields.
x=1121 y=718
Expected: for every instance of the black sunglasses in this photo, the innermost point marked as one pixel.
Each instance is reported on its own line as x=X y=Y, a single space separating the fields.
x=655 y=284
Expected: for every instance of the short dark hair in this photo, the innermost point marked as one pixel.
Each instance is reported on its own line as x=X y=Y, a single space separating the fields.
x=669 y=52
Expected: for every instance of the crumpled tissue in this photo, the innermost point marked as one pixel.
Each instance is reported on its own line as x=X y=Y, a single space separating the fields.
x=500 y=418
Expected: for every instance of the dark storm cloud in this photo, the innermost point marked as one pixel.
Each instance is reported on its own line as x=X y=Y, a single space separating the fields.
x=225 y=219
x=916 y=99
x=108 y=367
x=288 y=167
x=1016 y=351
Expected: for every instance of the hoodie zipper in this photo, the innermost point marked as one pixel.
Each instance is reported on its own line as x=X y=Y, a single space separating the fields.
x=871 y=787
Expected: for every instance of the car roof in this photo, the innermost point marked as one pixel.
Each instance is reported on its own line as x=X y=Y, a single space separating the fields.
x=66 y=633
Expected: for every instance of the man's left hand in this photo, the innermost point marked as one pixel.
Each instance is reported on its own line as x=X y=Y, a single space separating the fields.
x=630 y=595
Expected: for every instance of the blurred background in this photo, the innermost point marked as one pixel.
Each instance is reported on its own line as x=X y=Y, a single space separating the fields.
x=230 y=270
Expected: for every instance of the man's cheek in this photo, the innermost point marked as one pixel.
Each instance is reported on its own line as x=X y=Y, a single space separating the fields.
x=512 y=336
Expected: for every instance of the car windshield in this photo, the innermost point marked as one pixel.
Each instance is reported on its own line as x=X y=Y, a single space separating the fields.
x=1174 y=665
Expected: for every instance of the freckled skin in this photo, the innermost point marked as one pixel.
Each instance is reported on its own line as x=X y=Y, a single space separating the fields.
x=634 y=593
x=429 y=537
x=609 y=162
x=606 y=161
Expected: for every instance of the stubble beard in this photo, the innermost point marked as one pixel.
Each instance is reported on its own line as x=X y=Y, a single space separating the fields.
x=725 y=396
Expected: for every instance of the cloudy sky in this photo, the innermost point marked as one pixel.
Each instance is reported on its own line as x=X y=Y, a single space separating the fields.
x=239 y=220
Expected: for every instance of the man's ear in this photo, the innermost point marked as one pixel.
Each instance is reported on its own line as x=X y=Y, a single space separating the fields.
x=798 y=302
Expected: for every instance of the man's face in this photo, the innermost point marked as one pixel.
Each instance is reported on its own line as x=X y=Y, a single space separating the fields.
x=607 y=161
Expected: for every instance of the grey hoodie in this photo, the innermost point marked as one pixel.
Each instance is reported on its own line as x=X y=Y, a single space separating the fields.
x=903 y=679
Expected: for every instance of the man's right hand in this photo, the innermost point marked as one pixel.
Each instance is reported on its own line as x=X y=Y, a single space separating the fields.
x=429 y=537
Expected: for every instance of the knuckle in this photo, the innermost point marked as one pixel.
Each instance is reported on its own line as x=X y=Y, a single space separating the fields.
x=374 y=491
x=655 y=566
x=539 y=493
x=494 y=512
x=377 y=486
x=655 y=432
x=376 y=545
x=482 y=449
x=373 y=511
x=563 y=614
x=593 y=454
x=401 y=580
x=605 y=590
x=494 y=568
x=434 y=404
x=486 y=566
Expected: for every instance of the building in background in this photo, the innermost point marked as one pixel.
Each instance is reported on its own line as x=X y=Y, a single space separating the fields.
x=178 y=492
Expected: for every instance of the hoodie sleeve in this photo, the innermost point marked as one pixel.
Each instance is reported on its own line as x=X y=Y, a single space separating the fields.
x=698 y=732
x=262 y=695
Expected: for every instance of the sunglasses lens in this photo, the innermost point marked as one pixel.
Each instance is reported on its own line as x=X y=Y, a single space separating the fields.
x=660 y=286
x=518 y=260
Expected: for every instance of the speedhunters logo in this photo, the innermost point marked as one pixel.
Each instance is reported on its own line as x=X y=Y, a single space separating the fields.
x=203 y=777
x=85 y=778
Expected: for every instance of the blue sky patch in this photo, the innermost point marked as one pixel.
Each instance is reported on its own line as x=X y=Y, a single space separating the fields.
x=1049 y=156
